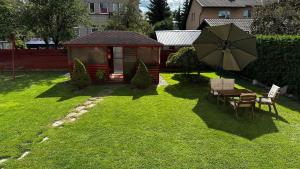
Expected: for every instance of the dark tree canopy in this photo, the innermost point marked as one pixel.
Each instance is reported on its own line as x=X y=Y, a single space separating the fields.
x=55 y=19
x=181 y=14
x=277 y=18
x=159 y=10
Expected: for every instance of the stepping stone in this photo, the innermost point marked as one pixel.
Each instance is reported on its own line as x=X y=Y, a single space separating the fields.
x=82 y=112
x=93 y=99
x=24 y=155
x=91 y=106
x=73 y=114
x=44 y=139
x=80 y=108
x=2 y=161
x=88 y=103
x=57 y=123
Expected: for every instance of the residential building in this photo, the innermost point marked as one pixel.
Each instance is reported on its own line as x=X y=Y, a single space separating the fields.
x=221 y=9
x=100 y=12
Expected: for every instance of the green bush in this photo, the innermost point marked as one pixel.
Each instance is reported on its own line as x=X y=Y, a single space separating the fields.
x=186 y=59
x=278 y=61
x=100 y=74
x=80 y=77
x=141 y=79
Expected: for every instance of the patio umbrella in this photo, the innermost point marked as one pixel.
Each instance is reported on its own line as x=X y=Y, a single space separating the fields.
x=226 y=46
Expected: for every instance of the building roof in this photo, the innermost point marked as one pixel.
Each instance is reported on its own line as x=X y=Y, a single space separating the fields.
x=113 y=38
x=177 y=37
x=228 y=3
x=244 y=24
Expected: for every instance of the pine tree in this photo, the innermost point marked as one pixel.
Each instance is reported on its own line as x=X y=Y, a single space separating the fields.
x=184 y=15
x=159 y=10
x=177 y=16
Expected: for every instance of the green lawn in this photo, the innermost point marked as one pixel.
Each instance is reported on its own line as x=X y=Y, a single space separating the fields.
x=177 y=126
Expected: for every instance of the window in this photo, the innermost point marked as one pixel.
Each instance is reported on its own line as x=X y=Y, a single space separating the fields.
x=92 y=7
x=103 y=8
x=224 y=14
x=115 y=7
x=247 y=13
x=77 y=31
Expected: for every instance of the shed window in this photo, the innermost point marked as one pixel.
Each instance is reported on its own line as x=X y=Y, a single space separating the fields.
x=148 y=55
x=89 y=55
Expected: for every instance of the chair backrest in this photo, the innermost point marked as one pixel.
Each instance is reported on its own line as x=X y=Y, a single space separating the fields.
x=274 y=92
x=228 y=84
x=247 y=100
x=216 y=84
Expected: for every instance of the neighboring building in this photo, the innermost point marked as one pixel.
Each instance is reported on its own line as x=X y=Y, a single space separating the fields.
x=174 y=40
x=5 y=45
x=221 y=9
x=244 y=24
x=100 y=12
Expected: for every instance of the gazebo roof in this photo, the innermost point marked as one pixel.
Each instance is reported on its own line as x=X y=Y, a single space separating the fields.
x=114 y=38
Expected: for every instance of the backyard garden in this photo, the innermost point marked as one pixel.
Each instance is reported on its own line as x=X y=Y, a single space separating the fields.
x=174 y=126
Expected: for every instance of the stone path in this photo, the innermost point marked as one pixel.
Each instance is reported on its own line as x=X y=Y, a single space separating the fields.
x=74 y=114
x=82 y=109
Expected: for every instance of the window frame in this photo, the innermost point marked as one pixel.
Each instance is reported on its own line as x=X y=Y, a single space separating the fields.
x=90 y=9
x=226 y=14
x=100 y=7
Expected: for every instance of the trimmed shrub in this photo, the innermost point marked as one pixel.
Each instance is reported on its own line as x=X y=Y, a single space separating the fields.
x=141 y=79
x=80 y=77
x=100 y=74
x=278 y=62
x=185 y=59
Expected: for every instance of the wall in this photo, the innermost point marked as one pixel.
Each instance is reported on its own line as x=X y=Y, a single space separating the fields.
x=25 y=59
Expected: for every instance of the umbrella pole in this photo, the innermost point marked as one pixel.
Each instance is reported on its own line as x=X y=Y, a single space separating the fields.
x=219 y=66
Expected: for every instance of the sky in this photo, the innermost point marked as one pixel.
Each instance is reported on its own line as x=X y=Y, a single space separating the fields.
x=172 y=3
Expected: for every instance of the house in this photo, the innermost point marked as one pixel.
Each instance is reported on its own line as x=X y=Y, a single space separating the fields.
x=174 y=40
x=100 y=11
x=116 y=53
x=199 y=10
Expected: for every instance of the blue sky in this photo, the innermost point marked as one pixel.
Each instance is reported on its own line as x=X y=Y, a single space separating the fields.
x=173 y=4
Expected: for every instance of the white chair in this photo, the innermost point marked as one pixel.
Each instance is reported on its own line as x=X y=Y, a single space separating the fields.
x=215 y=86
x=228 y=84
x=270 y=99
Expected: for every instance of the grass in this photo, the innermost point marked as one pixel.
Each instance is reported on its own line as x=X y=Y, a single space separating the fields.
x=29 y=105
x=177 y=126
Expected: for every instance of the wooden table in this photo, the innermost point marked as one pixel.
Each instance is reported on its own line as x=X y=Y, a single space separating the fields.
x=225 y=94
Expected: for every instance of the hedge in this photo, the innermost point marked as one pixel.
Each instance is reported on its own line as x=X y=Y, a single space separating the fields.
x=278 y=62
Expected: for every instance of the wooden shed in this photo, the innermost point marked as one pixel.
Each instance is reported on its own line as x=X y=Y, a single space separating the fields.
x=116 y=53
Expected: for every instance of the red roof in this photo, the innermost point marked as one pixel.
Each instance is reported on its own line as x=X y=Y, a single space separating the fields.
x=113 y=38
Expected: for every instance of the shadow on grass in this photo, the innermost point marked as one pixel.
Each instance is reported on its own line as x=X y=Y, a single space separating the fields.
x=65 y=91
x=222 y=117
x=128 y=90
x=25 y=79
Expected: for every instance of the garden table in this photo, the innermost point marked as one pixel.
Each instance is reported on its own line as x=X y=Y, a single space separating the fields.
x=223 y=95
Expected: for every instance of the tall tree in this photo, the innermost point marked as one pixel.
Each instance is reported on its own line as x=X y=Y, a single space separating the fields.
x=10 y=12
x=56 y=19
x=184 y=14
x=277 y=18
x=129 y=18
x=159 y=10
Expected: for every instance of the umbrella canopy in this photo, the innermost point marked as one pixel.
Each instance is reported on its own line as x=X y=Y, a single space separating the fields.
x=226 y=46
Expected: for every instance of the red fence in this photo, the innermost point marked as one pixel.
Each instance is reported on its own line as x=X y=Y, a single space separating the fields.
x=46 y=59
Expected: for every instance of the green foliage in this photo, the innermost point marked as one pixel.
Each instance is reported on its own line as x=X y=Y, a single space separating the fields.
x=185 y=58
x=100 y=74
x=129 y=18
x=10 y=18
x=166 y=24
x=141 y=79
x=159 y=10
x=277 y=18
x=20 y=44
x=80 y=77
x=55 y=19
x=278 y=62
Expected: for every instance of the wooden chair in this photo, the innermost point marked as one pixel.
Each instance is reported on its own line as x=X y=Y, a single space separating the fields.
x=270 y=99
x=215 y=86
x=246 y=100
